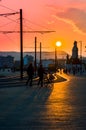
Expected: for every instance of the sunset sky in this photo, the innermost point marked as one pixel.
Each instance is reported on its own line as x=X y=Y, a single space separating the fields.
x=66 y=17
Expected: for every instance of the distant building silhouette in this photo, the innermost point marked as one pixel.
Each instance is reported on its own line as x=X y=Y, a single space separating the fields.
x=6 y=62
x=28 y=59
x=75 y=51
x=73 y=63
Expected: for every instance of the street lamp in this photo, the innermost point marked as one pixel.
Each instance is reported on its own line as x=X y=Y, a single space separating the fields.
x=80 y=50
x=58 y=44
x=81 y=53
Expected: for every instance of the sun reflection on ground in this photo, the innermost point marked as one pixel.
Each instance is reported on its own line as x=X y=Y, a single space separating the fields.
x=57 y=105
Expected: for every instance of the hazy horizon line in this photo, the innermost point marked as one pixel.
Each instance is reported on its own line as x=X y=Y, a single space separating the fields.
x=32 y=51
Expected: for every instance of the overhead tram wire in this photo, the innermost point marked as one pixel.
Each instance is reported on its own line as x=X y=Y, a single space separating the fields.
x=36 y=47
x=46 y=30
x=37 y=31
x=10 y=38
x=15 y=12
x=27 y=26
x=21 y=33
x=7 y=14
x=42 y=32
x=36 y=24
x=6 y=24
x=7 y=7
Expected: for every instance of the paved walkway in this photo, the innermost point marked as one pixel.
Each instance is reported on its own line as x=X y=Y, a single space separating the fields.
x=36 y=108
x=23 y=108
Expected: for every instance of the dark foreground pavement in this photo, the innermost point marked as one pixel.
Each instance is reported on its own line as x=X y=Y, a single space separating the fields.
x=47 y=108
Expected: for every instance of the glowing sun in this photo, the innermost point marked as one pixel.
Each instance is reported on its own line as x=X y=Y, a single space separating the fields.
x=58 y=43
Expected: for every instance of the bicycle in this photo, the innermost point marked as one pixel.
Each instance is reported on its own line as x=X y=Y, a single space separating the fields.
x=48 y=80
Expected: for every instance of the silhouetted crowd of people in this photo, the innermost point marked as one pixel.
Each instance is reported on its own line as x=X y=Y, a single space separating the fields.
x=74 y=70
x=30 y=73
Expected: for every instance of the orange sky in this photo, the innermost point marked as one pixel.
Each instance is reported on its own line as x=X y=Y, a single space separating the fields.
x=67 y=18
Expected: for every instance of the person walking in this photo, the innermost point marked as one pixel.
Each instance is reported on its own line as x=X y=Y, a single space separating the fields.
x=41 y=75
x=30 y=73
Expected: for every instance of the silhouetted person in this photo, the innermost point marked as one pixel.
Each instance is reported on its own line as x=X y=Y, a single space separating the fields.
x=41 y=75
x=30 y=73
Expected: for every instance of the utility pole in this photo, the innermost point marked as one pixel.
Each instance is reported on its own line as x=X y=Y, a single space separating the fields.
x=21 y=38
x=80 y=50
x=55 y=58
x=35 y=53
x=40 y=52
x=81 y=54
x=21 y=46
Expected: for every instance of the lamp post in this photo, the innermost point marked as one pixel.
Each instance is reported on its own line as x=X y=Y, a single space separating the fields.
x=80 y=50
x=35 y=55
x=81 y=54
x=55 y=58
x=21 y=45
x=58 y=44
x=40 y=52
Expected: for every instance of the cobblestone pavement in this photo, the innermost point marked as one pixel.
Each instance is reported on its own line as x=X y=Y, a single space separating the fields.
x=61 y=106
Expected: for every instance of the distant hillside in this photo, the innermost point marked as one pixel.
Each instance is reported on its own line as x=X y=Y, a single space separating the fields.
x=45 y=55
